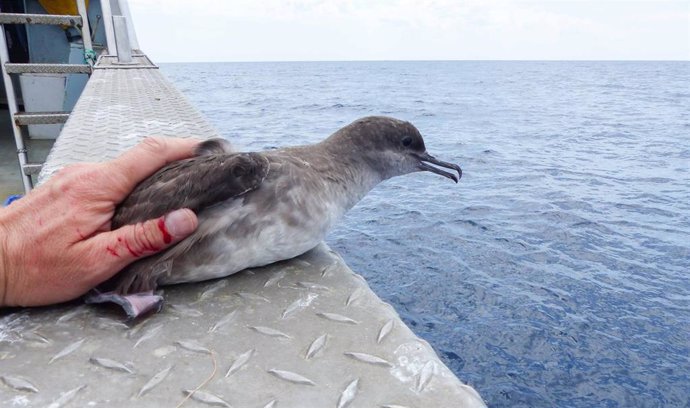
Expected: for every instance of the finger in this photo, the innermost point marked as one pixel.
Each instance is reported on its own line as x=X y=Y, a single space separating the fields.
x=132 y=242
x=144 y=159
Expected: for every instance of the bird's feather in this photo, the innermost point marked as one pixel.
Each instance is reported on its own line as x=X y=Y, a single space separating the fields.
x=213 y=146
x=195 y=183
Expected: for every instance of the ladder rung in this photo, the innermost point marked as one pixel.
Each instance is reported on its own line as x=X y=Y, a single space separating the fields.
x=40 y=118
x=53 y=19
x=14 y=68
x=32 y=168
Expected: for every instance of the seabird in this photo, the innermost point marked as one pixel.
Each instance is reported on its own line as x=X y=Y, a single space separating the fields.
x=258 y=208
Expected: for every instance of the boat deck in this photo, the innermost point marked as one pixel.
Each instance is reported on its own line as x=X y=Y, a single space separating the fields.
x=307 y=332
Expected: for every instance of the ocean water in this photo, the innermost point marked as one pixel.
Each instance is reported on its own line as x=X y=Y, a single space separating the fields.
x=557 y=272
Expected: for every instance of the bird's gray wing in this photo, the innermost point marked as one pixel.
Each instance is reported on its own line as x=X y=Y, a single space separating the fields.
x=194 y=183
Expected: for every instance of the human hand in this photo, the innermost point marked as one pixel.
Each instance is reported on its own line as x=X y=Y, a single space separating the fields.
x=56 y=243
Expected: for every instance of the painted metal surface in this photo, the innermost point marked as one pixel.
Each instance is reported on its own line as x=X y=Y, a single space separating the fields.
x=124 y=49
x=307 y=332
x=13 y=68
x=23 y=18
x=140 y=61
x=42 y=94
x=41 y=118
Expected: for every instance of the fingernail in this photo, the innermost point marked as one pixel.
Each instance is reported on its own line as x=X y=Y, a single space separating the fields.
x=180 y=223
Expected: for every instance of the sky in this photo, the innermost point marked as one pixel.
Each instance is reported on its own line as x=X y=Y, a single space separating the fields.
x=344 y=30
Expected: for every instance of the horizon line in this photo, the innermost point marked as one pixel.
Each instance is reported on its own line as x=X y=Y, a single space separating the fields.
x=426 y=60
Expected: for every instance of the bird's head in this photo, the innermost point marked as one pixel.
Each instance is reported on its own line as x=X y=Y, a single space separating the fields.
x=392 y=147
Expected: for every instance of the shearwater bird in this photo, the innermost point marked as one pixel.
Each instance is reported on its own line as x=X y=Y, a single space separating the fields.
x=258 y=208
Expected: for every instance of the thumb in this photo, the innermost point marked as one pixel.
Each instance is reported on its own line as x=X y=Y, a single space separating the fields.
x=132 y=242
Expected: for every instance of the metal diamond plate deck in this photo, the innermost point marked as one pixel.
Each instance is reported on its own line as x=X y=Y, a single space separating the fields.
x=303 y=333
x=117 y=109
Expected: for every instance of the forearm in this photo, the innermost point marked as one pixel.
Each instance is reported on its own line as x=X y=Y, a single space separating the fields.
x=17 y=233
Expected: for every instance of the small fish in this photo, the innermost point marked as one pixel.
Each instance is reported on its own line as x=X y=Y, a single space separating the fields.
x=66 y=397
x=18 y=383
x=271 y=404
x=110 y=364
x=269 y=332
x=193 y=345
x=154 y=381
x=67 y=350
x=239 y=362
x=292 y=377
x=316 y=346
x=337 y=318
x=348 y=394
x=207 y=398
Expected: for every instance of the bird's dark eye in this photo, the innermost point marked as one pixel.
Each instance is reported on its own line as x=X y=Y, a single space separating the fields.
x=407 y=141
x=238 y=171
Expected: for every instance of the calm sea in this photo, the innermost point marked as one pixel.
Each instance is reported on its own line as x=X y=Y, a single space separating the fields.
x=557 y=272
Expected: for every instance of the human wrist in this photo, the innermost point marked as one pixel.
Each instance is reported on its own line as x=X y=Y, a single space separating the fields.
x=4 y=261
x=13 y=241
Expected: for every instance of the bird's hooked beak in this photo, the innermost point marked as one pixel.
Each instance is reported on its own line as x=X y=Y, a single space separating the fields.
x=425 y=158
